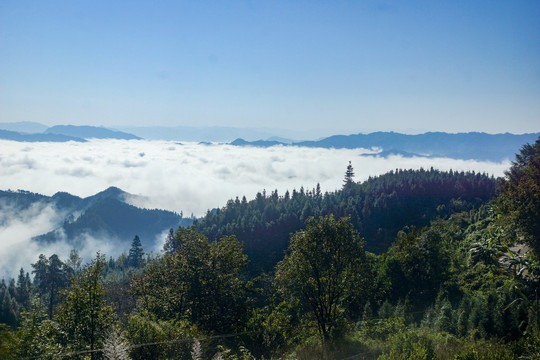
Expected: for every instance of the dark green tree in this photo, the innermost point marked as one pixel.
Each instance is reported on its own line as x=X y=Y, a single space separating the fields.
x=23 y=289
x=51 y=275
x=349 y=175
x=9 y=309
x=135 y=257
x=323 y=265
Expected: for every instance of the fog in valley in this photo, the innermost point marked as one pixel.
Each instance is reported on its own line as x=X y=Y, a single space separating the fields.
x=190 y=178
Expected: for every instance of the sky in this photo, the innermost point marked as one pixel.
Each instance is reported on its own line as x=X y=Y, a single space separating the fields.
x=345 y=66
x=189 y=178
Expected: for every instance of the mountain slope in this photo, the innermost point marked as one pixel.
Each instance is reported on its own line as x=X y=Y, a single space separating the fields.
x=378 y=207
x=105 y=215
x=88 y=132
x=109 y=218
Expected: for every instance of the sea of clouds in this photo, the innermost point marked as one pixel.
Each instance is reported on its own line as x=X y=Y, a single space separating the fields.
x=187 y=177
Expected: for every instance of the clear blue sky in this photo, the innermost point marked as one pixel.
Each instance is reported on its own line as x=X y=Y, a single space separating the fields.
x=408 y=66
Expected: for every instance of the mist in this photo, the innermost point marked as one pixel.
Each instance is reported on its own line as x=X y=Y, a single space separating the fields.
x=190 y=178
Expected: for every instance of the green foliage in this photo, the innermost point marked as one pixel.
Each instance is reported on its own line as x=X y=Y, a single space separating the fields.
x=378 y=209
x=9 y=308
x=37 y=335
x=274 y=329
x=83 y=315
x=200 y=282
x=166 y=338
x=519 y=201
x=409 y=345
x=451 y=285
x=325 y=264
x=23 y=289
x=416 y=265
x=7 y=342
x=51 y=275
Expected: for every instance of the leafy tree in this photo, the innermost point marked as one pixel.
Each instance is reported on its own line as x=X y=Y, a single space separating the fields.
x=50 y=276
x=519 y=200
x=175 y=239
x=200 y=282
x=416 y=265
x=37 y=336
x=84 y=315
x=322 y=266
x=135 y=257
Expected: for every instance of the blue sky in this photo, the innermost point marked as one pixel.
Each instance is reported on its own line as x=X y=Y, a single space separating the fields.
x=346 y=66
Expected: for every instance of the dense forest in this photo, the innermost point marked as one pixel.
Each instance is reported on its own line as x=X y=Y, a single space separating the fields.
x=413 y=264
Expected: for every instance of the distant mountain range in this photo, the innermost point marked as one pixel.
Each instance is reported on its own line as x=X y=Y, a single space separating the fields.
x=17 y=136
x=472 y=145
x=106 y=215
x=61 y=133
x=196 y=134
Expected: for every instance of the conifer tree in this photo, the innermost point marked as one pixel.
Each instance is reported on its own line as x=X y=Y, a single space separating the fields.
x=135 y=257
x=349 y=174
x=50 y=276
x=23 y=289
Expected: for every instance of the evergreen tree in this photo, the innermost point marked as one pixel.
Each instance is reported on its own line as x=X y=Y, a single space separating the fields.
x=169 y=247
x=23 y=289
x=135 y=257
x=9 y=310
x=349 y=174
x=50 y=276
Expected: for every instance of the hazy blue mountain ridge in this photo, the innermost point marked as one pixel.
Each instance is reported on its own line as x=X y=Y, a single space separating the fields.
x=472 y=145
x=24 y=127
x=17 y=136
x=88 y=132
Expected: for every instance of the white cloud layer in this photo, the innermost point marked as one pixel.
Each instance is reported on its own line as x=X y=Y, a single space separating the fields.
x=191 y=178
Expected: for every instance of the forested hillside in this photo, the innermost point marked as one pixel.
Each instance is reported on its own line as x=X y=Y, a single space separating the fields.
x=105 y=215
x=378 y=208
x=409 y=265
